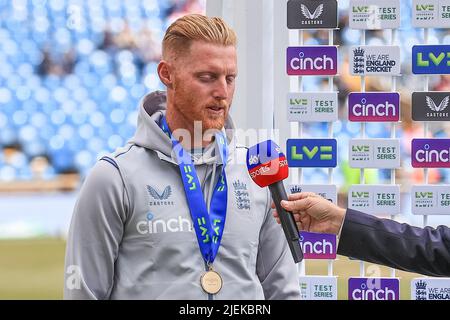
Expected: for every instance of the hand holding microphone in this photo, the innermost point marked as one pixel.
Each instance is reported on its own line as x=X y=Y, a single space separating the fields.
x=268 y=166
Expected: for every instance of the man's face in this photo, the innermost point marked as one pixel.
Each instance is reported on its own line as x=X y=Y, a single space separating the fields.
x=203 y=84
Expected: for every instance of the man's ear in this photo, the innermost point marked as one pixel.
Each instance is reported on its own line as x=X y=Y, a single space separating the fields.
x=165 y=74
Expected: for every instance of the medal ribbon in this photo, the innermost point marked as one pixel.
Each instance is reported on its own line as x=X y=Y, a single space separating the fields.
x=208 y=227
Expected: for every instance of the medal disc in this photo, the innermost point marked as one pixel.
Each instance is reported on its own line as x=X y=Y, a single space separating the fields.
x=211 y=282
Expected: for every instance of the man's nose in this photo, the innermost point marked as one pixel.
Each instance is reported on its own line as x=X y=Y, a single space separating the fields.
x=221 y=89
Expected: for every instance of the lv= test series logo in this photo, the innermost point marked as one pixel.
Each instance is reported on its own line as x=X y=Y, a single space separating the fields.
x=312 y=14
x=430 y=13
x=313 y=60
x=374 y=14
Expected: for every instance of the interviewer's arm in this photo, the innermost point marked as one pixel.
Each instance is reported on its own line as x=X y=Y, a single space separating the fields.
x=399 y=245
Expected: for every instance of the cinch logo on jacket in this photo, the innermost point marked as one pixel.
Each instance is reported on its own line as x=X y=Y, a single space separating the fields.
x=151 y=226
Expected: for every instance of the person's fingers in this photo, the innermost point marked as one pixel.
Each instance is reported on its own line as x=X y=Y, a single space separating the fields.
x=297 y=217
x=297 y=205
x=275 y=213
x=306 y=222
x=272 y=205
x=301 y=195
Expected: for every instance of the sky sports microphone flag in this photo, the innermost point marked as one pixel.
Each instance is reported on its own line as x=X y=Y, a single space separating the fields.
x=268 y=167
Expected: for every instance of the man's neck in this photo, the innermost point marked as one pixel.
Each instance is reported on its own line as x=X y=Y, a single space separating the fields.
x=182 y=128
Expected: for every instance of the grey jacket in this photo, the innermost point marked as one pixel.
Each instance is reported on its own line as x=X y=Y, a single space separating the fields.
x=131 y=235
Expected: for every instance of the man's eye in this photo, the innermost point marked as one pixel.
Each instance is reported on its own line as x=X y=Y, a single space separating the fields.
x=230 y=79
x=206 y=77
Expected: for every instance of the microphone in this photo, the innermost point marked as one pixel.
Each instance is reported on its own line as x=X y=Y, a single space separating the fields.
x=267 y=166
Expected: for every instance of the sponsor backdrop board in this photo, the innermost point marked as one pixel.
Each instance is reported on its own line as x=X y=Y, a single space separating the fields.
x=374 y=14
x=430 y=153
x=431 y=59
x=430 y=199
x=374 y=153
x=373 y=288
x=318 y=287
x=312 y=14
x=431 y=13
x=317 y=245
x=312 y=107
x=430 y=289
x=375 y=199
x=311 y=153
x=430 y=106
x=374 y=106
x=311 y=61
x=327 y=191
x=374 y=60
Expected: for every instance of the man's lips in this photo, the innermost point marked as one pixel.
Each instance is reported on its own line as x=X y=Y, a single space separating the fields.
x=216 y=110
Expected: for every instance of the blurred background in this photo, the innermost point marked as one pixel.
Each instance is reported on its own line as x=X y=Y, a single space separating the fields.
x=71 y=76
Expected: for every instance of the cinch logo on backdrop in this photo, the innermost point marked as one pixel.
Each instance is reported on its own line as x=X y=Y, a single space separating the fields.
x=431 y=59
x=315 y=60
x=430 y=106
x=312 y=14
x=373 y=289
x=374 y=106
x=318 y=245
x=312 y=153
x=430 y=153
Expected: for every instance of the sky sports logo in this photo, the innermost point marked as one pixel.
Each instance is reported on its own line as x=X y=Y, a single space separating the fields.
x=312 y=14
x=312 y=153
x=374 y=106
x=317 y=245
x=314 y=60
x=265 y=161
x=430 y=153
x=373 y=289
x=431 y=59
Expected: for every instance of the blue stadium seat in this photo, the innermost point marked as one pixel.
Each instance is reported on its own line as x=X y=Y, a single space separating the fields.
x=73 y=118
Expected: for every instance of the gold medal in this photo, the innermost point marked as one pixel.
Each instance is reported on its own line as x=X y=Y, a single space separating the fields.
x=211 y=282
